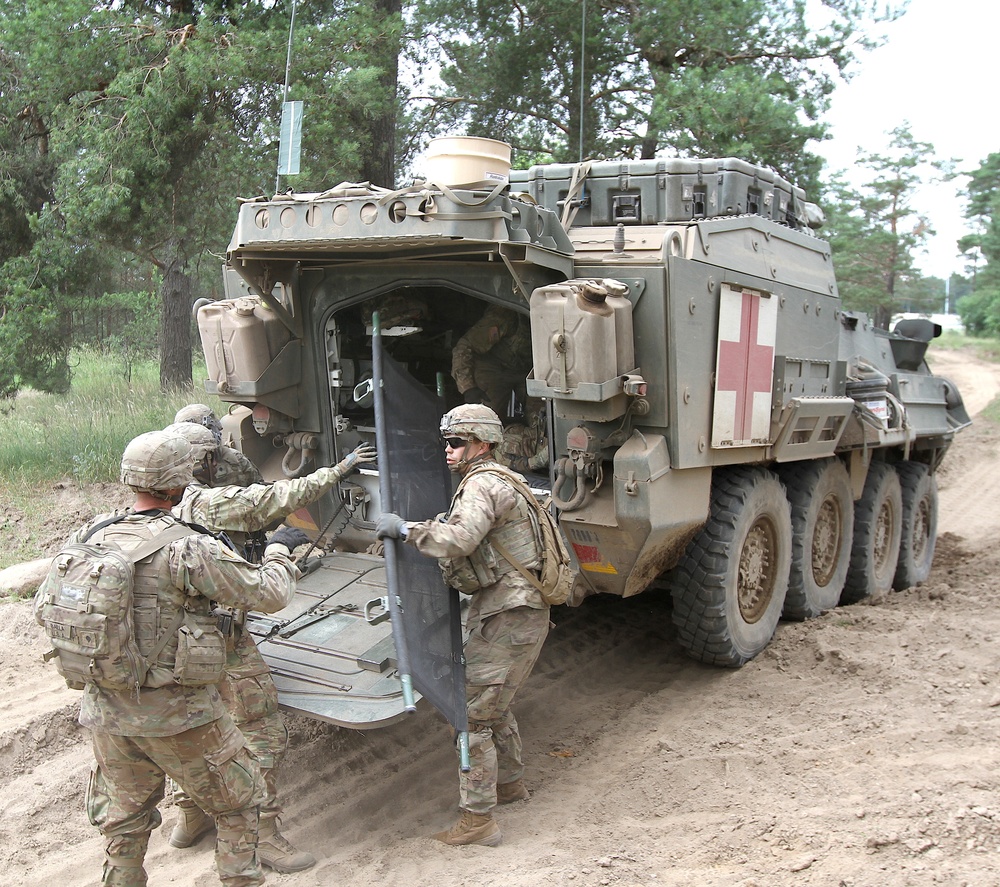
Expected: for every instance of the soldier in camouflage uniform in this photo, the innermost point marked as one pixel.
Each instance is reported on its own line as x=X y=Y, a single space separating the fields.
x=492 y=359
x=525 y=445
x=247 y=687
x=166 y=728
x=507 y=620
x=229 y=465
x=201 y=414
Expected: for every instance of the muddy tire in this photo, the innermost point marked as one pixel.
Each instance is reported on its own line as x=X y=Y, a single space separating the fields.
x=729 y=587
x=819 y=493
x=920 y=517
x=878 y=524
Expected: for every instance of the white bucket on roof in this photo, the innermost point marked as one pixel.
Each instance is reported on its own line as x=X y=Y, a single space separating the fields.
x=467 y=162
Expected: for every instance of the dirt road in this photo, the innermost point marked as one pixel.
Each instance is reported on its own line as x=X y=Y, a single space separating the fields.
x=859 y=750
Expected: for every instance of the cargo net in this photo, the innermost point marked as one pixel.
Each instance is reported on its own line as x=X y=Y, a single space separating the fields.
x=416 y=484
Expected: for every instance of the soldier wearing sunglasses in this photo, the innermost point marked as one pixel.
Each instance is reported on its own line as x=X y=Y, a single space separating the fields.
x=507 y=620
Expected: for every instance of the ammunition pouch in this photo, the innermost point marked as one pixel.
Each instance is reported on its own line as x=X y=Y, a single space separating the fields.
x=229 y=620
x=201 y=652
x=484 y=567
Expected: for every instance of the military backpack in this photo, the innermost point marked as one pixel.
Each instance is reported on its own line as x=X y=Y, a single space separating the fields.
x=85 y=605
x=556 y=576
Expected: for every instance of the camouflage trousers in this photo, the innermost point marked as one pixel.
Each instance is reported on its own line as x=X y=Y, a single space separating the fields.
x=499 y=656
x=252 y=701
x=216 y=768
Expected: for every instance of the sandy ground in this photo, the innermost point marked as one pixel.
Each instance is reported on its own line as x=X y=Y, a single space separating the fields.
x=859 y=749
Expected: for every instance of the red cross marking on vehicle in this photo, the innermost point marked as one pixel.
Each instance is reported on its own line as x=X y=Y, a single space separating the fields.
x=745 y=366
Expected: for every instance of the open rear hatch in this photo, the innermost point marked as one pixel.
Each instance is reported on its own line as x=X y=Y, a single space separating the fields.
x=331 y=650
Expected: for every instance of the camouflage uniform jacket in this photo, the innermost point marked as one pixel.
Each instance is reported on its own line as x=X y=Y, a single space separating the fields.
x=234 y=509
x=232 y=467
x=502 y=334
x=246 y=509
x=484 y=504
x=188 y=574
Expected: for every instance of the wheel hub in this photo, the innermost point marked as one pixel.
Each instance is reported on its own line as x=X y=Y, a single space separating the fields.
x=756 y=577
x=826 y=542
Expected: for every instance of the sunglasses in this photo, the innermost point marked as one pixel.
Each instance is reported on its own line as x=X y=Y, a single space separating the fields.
x=454 y=442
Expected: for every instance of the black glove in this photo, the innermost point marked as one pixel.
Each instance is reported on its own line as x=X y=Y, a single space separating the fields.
x=475 y=395
x=360 y=455
x=390 y=526
x=290 y=537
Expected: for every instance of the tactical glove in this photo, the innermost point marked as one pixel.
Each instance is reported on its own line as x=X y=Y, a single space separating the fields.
x=290 y=537
x=475 y=395
x=390 y=526
x=362 y=454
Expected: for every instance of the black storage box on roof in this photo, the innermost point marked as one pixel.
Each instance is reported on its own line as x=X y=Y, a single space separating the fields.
x=649 y=192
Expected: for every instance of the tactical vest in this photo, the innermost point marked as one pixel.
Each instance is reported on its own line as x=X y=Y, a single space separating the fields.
x=194 y=654
x=516 y=531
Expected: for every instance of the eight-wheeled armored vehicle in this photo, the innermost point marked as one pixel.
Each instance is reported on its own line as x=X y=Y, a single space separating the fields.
x=714 y=424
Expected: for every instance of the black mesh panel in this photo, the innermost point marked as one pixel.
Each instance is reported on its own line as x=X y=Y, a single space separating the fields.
x=416 y=484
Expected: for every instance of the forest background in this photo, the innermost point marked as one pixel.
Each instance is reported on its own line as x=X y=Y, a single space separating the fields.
x=130 y=128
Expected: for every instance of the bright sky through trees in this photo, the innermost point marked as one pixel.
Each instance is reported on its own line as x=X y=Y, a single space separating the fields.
x=937 y=71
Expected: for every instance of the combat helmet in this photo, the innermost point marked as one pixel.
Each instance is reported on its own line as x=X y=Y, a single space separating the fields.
x=201 y=414
x=201 y=439
x=157 y=461
x=472 y=420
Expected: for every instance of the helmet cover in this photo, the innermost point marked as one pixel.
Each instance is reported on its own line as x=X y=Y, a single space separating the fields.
x=157 y=461
x=472 y=420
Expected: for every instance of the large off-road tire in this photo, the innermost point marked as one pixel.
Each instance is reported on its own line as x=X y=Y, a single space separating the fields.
x=920 y=517
x=729 y=586
x=878 y=525
x=819 y=493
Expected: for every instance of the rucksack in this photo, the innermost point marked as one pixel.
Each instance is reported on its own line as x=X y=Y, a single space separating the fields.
x=556 y=576
x=85 y=605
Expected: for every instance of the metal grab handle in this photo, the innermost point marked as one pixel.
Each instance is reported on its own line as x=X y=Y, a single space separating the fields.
x=579 y=493
x=377 y=610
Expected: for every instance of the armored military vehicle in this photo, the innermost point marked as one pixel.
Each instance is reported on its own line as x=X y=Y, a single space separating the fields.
x=715 y=424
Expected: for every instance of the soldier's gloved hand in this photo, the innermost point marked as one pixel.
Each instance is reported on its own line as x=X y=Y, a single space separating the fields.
x=390 y=526
x=290 y=537
x=362 y=454
x=475 y=395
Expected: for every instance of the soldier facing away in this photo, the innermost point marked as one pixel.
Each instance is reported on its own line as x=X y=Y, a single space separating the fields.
x=247 y=687
x=507 y=621
x=175 y=724
x=230 y=466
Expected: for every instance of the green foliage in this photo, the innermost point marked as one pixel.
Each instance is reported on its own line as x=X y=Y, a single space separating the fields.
x=981 y=309
x=81 y=434
x=703 y=77
x=139 y=124
x=875 y=230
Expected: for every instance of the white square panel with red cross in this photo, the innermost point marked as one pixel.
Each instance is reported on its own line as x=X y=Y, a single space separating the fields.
x=744 y=367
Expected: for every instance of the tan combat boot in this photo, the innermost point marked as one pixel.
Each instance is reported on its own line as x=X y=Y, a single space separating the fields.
x=276 y=852
x=509 y=792
x=192 y=824
x=472 y=828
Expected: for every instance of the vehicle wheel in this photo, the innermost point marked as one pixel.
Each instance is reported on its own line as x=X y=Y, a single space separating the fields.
x=920 y=515
x=729 y=586
x=878 y=523
x=822 y=531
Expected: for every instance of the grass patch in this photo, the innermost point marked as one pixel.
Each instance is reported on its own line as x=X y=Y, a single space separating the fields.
x=991 y=412
x=80 y=435
x=37 y=518
x=983 y=348
x=60 y=454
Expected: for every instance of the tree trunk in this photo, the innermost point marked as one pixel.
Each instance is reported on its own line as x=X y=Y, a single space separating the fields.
x=378 y=165
x=175 y=326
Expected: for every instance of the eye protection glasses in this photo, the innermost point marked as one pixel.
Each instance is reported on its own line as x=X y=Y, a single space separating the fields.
x=454 y=442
